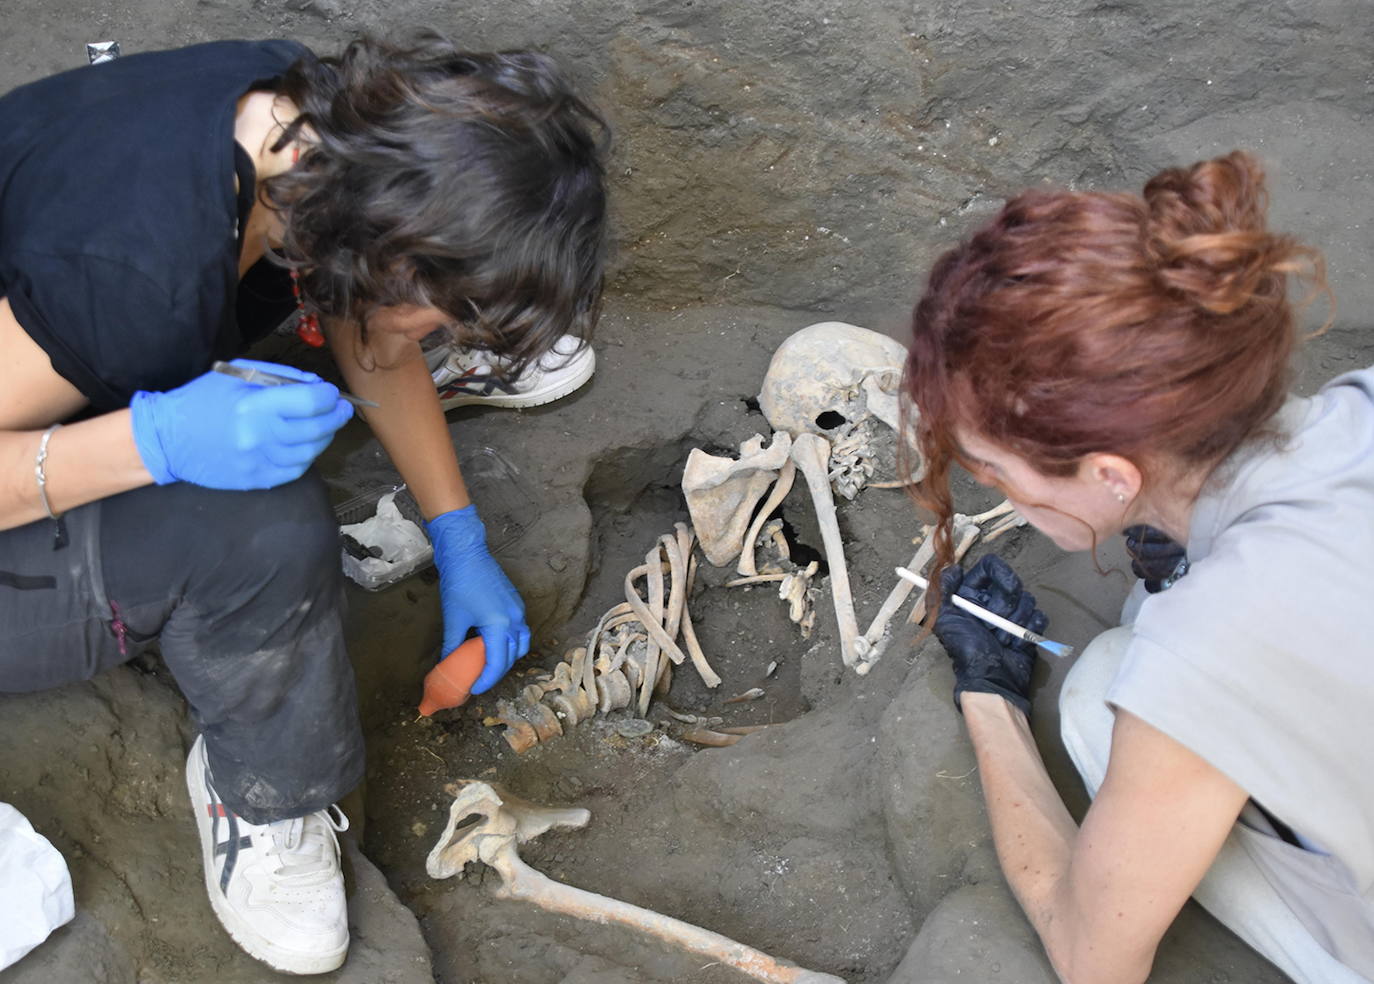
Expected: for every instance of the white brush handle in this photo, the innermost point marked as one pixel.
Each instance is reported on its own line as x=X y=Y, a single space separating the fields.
x=977 y=611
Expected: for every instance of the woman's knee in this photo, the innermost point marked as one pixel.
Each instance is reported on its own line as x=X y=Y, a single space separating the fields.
x=1085 y=718
x=290 y=531
x=1086 y=685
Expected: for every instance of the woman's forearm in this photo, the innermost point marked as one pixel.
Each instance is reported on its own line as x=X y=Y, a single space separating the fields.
x=86 y=461
x=1035 y=839
x=409 y=423
x=1031 y=828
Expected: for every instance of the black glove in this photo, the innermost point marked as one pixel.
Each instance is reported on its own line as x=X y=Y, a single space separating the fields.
x=1156 y=559
x=988 y=660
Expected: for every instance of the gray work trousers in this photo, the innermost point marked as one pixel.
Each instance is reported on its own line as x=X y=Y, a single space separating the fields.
x=242 y=592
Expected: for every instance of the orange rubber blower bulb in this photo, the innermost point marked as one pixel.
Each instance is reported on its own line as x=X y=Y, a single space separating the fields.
x=450 y=683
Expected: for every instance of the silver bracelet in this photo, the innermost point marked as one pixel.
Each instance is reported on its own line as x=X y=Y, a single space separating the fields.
x=38 y=469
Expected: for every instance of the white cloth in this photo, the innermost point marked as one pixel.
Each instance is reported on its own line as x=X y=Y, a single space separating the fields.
x=1234 y=889
x=35 y=888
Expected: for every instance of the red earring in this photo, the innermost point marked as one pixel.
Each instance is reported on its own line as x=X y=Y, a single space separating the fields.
x=308 y=324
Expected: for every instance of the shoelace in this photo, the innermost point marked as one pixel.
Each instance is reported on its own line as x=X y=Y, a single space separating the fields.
x=306 y=848
x=464 y=360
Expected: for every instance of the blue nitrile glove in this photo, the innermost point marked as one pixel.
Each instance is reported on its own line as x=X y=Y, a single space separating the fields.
x=223 y=433
x=475 y=593
x=988 y=660
x=1156 y=558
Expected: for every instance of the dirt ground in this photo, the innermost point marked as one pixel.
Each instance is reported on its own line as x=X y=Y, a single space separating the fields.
x=775 y=165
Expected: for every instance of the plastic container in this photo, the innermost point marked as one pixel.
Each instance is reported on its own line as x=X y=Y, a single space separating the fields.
x=382 y=537
x=503 y=497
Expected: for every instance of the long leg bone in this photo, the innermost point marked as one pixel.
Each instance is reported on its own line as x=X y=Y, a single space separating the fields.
x=811 y=453
x=781 y=487
x=501 y=824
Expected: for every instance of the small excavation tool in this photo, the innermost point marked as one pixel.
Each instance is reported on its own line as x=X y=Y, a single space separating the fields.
x=251 y=374
x=996 y=621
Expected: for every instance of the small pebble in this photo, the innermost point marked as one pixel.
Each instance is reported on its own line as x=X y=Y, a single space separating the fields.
x=753 y=694
x=772 y=668
x=634 y=728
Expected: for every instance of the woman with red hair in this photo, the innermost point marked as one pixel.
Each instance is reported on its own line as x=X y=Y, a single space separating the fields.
x=1117 y=363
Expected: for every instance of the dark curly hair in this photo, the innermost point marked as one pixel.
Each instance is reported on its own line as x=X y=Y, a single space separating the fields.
x=468 y=182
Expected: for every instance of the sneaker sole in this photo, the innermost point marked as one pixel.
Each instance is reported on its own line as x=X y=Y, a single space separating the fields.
x=283 y=961
x=517 y=401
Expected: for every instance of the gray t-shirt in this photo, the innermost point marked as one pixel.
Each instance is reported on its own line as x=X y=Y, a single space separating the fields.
x=1261 y=659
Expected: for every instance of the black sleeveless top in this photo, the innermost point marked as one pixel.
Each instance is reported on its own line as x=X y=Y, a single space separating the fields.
x=119 y=221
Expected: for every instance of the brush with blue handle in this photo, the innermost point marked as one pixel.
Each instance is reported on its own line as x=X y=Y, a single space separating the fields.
x=996 y=621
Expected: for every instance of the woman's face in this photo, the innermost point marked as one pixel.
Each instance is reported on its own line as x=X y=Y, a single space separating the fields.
x=1068 y=510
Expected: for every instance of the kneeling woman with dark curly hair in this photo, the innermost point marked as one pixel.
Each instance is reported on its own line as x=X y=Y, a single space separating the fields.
x=404 y=189
x=1121 y=363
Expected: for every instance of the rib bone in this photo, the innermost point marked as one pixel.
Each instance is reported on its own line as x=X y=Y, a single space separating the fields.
x=811 y=453
x=781 y=487
x=689 y=632
x=653 y=626
x=503 y=822
x=651 y=658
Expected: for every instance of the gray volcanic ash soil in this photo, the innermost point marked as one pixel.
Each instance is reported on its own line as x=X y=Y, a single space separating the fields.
x=775 y=164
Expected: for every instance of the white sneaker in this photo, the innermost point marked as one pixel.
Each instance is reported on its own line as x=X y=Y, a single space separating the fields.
x=465 y=376
x=276 y=887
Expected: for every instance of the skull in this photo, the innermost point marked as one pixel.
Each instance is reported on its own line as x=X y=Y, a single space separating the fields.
x=816 y=379
x=841 y=382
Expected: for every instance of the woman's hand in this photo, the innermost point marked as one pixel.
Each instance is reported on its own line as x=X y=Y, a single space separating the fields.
x=475 y=593
x=223 y=433
x=988 y=660
x=1156 y=558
